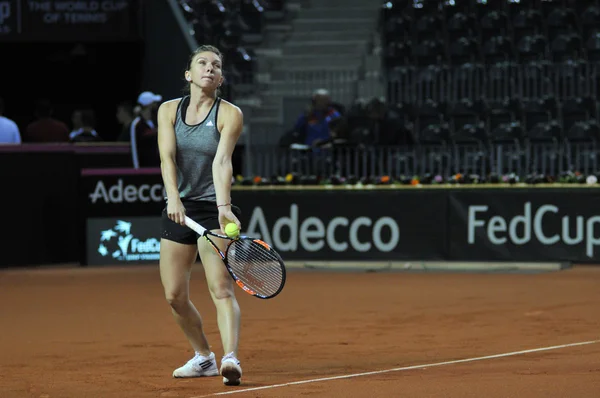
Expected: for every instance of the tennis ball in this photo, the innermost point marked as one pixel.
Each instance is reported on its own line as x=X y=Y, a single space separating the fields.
x=232 y=230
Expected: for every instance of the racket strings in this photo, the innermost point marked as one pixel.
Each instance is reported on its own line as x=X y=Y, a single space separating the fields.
x=256 y=266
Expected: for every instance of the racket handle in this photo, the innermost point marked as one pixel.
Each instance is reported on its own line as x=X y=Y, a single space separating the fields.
x=194 y=226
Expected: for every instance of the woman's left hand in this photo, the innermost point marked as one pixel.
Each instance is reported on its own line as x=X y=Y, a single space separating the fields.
x=226 y=216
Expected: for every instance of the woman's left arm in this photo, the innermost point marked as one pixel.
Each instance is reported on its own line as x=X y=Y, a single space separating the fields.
x=231 y=129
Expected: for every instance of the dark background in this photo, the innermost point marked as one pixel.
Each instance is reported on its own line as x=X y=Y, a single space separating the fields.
x=91 y=65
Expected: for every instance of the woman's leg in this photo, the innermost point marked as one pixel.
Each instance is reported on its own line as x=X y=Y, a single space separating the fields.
x=176 y=262
x=221 y=287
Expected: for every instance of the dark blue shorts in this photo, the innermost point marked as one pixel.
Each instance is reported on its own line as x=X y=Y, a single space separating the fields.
x=203 y=212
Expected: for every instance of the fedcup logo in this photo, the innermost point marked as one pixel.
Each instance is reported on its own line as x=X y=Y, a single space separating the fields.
x=121 y=244
x=532 y=225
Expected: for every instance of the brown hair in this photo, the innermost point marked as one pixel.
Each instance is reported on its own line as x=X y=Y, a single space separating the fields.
x=201 y=49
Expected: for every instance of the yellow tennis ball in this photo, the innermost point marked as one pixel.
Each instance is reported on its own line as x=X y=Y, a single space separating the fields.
x=232 y=230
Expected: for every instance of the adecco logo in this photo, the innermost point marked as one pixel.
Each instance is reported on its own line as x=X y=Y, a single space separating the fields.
x=130 y=193
x=312 y=234
x=499 y=229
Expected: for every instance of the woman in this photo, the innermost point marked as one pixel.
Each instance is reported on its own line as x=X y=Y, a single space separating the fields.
x=196 y=137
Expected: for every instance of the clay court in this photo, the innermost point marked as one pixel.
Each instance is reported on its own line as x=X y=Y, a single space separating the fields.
x=108 y=332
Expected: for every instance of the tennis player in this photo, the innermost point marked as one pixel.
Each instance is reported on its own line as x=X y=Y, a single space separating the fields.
x=196 y=137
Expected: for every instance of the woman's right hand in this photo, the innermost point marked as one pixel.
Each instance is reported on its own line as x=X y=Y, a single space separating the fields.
x=176 y=211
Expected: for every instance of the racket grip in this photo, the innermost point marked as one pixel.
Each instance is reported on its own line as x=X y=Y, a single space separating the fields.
x=194 y=226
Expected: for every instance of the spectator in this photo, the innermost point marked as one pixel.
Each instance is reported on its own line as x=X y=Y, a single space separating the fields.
x=386 y=125
x=76 y=120
x=9 y=131
x=313 y=127
x=358 y=123
x=46 y=128
x=144 y=132
x=86 y=133
x=125 y=116
x=374 y=123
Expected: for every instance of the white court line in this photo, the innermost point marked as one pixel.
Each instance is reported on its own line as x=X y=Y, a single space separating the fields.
x=425 y=366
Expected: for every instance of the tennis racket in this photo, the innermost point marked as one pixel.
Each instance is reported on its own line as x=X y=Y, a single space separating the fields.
x=254 y=265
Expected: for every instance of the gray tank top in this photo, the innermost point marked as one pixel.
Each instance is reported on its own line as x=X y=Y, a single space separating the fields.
x=196 y=149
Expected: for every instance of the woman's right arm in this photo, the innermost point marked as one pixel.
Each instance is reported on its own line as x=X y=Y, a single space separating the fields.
x=167 y=149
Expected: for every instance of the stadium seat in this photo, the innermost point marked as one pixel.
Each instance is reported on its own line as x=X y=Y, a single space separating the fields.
x=560 y=21
x=494 y=23
x=551 y=104
x=417 y=8
x=484 y=7
x=468 y=137
x=583 y=132
x=581 y=152
x=507 y=151
x=592 y=47
x=450 y=8
x=461 y=25
x=391 y=9
x=590 y=21
x=400 y=85
x=432 y=135
x=252 y=13
x=581 y=5
x=462 y=50
x=405 y=112
x=272 y=5
x=534 y=79
x=497 y=49
x=228 y=40
x=549 y=132
x=514 y=7
x=574 y=110
x=397 y=53
x=396 y=28
x=203 y=31
x=534 y=112
x=566 y=46
x=570 y=77
x=427 y=27
x=531 y=48
x=544 y=148
x=548 y=6
x=468 y=80
x=527 y=22
x=240 y=66
x=428 y=83
x=500 y=81
x=465 y=122
x=498 y=113
x=215 y=11
x=429 y=123
x=507 y=133
x=428 y=52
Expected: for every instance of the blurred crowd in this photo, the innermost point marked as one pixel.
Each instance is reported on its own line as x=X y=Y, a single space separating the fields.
x=137 y=120
x=325 y=123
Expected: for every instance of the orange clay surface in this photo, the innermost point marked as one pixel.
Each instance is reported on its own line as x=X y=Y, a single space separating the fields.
x=108 y=332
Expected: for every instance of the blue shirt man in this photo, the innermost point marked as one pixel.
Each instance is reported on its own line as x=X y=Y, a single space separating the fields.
x=313 y=126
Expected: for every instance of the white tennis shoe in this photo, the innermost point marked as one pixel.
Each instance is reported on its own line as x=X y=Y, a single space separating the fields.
x=198 y=366
x=231 y=370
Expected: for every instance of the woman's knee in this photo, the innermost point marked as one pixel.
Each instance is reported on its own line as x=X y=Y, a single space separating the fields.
x=177 y=299
x=221 y=289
